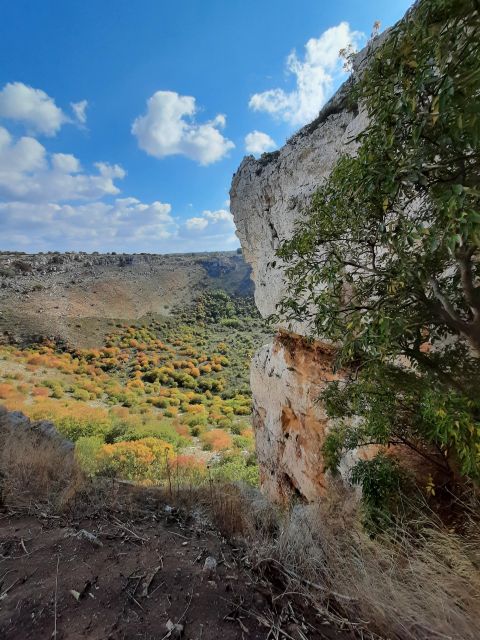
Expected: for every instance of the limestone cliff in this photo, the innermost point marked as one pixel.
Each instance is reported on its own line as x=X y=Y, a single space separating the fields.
x=268 y=196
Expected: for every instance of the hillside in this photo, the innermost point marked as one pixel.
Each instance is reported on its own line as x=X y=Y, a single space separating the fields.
x=78 y=297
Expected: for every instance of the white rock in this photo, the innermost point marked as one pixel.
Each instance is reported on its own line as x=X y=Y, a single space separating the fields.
x=268 y=196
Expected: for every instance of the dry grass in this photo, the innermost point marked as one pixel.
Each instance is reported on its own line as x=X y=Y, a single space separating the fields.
x=36 y=472
x=405 y=586
x=417 y=583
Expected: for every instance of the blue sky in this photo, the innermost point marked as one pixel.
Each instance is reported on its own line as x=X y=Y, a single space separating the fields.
x=122 y=121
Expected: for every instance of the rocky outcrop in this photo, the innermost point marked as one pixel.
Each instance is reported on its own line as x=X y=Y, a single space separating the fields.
x=268 y=196
x=43 y=429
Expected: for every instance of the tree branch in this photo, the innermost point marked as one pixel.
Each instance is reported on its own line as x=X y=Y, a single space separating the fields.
x=446 y=311
x=472 y=292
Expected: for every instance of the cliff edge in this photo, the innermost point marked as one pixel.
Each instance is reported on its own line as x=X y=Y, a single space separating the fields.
x=268 y=196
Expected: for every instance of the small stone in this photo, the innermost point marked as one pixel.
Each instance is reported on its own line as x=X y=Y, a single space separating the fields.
x=174 y=630
x=86 y=535
x=210 y=566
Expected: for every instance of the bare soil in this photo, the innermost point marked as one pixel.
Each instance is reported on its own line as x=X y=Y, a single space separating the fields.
x=142 y=573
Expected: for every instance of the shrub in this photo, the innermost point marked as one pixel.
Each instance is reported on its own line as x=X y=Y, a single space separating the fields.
x=235 y=469
x=216 y=440
x=87 y=449
x=144 y=459
x=6 y=391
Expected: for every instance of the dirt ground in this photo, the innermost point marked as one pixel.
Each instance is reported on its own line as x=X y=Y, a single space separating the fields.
x=134 y=580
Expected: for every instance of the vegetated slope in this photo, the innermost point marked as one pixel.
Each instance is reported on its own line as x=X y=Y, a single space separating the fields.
x=77 y=296
x=157 y=398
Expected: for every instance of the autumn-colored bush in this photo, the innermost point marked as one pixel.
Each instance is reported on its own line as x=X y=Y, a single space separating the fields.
x=6 y=391
x=216 y=440
x=136 y=460
x=187 y=470
x=40 y=392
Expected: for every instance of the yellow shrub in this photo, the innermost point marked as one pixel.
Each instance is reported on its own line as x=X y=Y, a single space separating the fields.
x=136 y=460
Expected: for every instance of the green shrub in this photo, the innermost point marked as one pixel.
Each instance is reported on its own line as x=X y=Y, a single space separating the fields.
x=86 y=452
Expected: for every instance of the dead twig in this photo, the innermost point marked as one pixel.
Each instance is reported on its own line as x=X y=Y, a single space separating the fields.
x=4 y=593
x=167 y=635
x=122 y=526
x=55 y=604
x=135 y=600
x=148 y=581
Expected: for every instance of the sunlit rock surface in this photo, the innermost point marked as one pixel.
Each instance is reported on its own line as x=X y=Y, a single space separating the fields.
x=268 y=195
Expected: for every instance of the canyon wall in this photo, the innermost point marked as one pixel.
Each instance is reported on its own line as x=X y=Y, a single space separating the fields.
x=268 y=195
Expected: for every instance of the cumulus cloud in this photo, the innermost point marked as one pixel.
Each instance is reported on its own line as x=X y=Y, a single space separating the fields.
x=80 y=111
x=36 y=110
x=50 y=202
x=196 y=224
x=127 y=224
x=315 y=76
x=32 y=107
x=257 y=142
x=29 y=173
x=169 y=128
x=211 y=229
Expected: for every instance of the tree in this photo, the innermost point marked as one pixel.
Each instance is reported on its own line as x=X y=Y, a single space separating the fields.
x=386 y=263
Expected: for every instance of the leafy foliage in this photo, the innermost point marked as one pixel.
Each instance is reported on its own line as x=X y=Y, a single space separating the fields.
x=387 y=261
x=179 y=381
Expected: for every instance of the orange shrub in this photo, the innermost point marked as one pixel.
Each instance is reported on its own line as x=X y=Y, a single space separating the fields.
x=6 y=391
x=216 y=439
x=182 y=430
x=196 y=409
x=135 y=384
x=188 y=468
x=40 y=392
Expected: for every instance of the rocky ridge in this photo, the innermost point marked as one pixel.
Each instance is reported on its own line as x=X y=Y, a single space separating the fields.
x=78 y=297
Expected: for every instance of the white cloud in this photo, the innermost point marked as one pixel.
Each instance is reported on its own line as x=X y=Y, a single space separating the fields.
x=219 y=216
x=28 y=173
x=24 y=155
x=79 y=111
x=66 y=163
x=196 y=224
x=32 y=107
x=211 y=230
x=169 y=128
x=126 y=224
x=315 y=76
x=257 y=142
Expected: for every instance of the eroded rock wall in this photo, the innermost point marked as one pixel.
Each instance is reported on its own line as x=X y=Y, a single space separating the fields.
x=287 y=377
x=268 y=195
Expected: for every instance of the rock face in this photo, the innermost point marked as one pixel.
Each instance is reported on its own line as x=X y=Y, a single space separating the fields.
x=15 y=420
x=287 y=377
x=268 y=196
